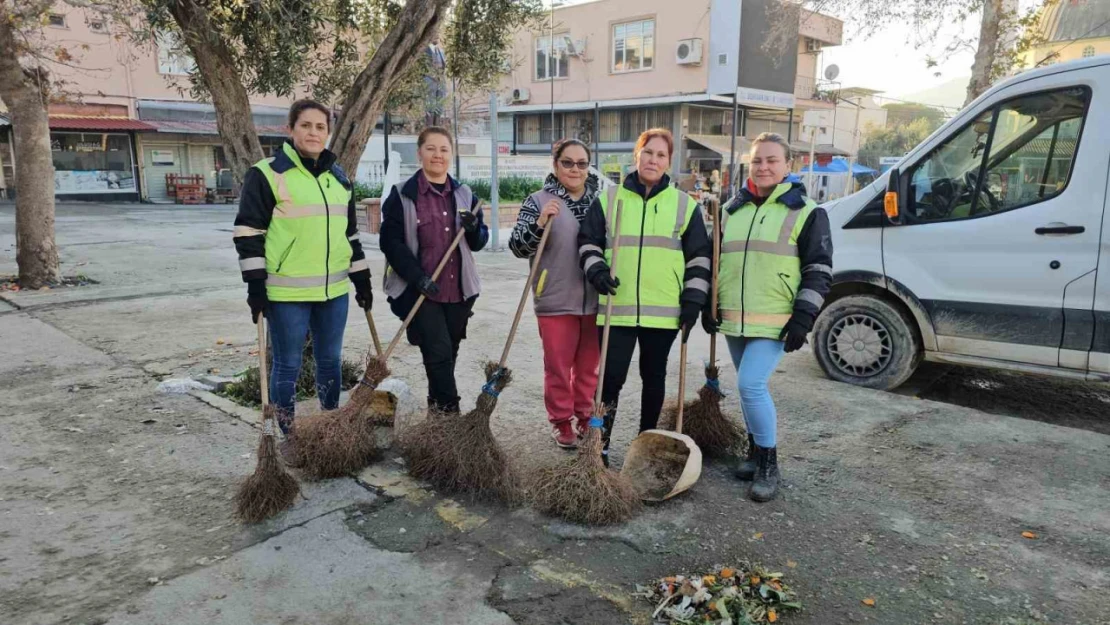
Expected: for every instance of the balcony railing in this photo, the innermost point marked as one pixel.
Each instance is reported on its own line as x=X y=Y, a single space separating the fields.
x=808 y=88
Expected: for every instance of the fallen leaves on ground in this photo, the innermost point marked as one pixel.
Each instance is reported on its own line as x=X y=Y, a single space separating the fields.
x=869 y=602
x=732 y=595
x=1029 y=535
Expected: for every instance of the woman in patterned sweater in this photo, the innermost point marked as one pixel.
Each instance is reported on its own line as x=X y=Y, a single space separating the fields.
x=565 y=302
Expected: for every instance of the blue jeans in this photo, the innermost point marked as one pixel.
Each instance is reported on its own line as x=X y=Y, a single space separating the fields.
x=290 y=324
x=755 y=361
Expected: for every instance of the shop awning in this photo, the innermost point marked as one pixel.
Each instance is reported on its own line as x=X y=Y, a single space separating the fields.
x=97 y=123
x=209 y=128
x=722 y=145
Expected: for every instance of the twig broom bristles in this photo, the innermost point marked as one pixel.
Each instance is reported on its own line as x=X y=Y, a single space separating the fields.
x=460 y=453
x=584 y=490
x=270 y=489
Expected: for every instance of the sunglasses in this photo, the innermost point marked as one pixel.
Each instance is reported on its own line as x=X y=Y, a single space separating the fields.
x=569 y=164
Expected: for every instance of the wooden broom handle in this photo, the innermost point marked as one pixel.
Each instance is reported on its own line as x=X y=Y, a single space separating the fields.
x=681 y=387
x=435 y=276
x=374 y=333
x=608 y=308
x=263 y=372
x=713 y=288
x=524 y=295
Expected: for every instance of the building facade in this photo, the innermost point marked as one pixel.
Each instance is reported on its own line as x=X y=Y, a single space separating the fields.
x=129 y=120
x=1071 y=29
x=606 y=70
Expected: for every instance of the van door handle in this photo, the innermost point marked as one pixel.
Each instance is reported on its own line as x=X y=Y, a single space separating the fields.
x=1059 y=228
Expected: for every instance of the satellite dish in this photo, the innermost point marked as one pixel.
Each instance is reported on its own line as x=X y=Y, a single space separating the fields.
x=831 y=72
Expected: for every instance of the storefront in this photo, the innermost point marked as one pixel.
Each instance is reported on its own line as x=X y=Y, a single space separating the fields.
x=95 y=159
x=184 y=141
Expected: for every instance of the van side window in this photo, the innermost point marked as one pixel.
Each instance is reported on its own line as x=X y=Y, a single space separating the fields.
x=1019 y=153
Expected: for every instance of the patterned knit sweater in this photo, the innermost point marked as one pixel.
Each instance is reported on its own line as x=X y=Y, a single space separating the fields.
x=526 y=234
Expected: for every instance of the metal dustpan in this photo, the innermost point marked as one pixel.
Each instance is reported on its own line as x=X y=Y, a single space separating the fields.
x=659 y=463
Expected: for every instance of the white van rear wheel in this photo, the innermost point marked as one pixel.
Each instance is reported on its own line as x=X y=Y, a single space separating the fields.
x=863 y=340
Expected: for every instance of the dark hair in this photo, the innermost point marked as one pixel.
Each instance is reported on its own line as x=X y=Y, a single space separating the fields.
x=301 y=106
x=433 y=130
x=566 y=143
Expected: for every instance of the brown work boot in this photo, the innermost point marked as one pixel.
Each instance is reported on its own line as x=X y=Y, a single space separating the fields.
x=564 y=435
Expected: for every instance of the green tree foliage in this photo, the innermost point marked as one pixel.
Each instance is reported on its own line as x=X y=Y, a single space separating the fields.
x=895 y=139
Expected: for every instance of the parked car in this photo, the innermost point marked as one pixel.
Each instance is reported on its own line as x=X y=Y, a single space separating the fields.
x=987 y=245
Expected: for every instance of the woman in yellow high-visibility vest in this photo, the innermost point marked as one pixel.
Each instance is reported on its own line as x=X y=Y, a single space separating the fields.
x=776 y=269
x=663 y=272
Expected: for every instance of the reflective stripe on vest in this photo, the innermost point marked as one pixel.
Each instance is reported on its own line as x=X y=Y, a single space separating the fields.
x=308 y=254
x=651 y=266
x=760 y=270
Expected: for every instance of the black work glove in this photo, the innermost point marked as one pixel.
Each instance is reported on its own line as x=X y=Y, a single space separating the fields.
x=469 y=221
x=688 y=317
x=428 y=287
x=364 y=295
x=708 y=323
x=256 y=298
x=794 y=334
x=603 y=283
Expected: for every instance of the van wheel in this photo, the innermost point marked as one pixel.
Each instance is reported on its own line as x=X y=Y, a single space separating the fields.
x=865 y=341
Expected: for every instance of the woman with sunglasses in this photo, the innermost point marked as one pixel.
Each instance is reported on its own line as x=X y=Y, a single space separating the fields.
x=565 y=302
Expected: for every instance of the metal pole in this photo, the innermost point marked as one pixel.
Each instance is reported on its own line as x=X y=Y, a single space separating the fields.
x=494 y=212
x=455 y=125
x=790 y=126
x=550 y=77
x=597 y=136
x=855 y=151
x=812 y=162
x=732 y=152
x=385 y=124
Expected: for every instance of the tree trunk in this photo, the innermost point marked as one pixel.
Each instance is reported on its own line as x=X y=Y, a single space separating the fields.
x=417 y=23
x=221 y=78
x=25 y=97
x=986 y=55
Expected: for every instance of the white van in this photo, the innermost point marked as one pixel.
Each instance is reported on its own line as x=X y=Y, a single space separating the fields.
x=983 y=246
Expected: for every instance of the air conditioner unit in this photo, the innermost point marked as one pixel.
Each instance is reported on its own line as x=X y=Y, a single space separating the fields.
x=688 y=52
x=521 y=95
x=813 y=45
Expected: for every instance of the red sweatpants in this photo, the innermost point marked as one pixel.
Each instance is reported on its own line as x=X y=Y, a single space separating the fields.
x=570 y=359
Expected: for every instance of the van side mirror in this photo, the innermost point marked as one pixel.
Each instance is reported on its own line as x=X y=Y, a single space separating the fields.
x=892 y=204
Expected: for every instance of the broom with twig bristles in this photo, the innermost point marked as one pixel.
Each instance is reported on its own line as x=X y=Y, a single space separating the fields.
x=458 y=453
x=270 y=489
x=715 y=433
x=336 y=442
x=333 y=443
x=583 y=490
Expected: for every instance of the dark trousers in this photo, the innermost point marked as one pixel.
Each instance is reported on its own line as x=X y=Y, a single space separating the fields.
x=438 y=329
x=655 y=347
x=290 y=325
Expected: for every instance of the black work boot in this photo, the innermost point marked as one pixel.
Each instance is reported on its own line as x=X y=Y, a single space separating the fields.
x=745 y=469
x=766 y=484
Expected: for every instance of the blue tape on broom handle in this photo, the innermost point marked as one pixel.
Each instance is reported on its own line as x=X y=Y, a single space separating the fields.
x=596 y=421
x=715 y=385
x=490 y=390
